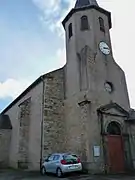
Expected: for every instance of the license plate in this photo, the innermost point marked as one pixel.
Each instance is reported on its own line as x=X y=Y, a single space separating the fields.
x=73 y=167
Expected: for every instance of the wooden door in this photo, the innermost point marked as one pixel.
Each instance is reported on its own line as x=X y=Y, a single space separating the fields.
x=115 y=154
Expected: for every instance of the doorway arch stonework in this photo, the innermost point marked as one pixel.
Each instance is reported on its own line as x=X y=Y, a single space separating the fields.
x=113 y=143
x=114 y=128
x=118 y=120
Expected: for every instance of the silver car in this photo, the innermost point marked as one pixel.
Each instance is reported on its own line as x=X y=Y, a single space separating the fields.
x=61 y=163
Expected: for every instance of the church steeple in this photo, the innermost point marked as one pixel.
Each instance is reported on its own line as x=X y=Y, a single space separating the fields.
x=84 y=3
x=86 y=29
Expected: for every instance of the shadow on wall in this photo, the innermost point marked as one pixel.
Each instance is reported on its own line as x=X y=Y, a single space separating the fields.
x=5 y=136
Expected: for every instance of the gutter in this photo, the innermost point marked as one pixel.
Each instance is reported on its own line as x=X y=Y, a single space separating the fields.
x=42 y=123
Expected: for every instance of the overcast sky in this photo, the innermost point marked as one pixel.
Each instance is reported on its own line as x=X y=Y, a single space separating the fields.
x=32 y=41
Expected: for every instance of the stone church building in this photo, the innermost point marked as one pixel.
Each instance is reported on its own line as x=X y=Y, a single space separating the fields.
x=82 y=108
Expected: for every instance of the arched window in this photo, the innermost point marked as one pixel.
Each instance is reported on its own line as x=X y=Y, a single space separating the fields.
x=101 y=23
x=114 y=128
x=70 y=32
x=84 y=23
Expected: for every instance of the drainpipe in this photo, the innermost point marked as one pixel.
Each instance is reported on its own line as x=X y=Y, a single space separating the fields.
x=42 y=122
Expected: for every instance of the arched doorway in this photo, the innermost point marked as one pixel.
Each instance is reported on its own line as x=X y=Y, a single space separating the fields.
x=114 y=128
x=115 y=150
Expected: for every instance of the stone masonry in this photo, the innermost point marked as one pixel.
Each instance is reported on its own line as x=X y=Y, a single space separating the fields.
x=5 y=136
x=24 y=118
x=53 y=113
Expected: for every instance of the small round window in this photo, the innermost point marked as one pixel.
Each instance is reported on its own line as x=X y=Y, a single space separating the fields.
x=109 y=87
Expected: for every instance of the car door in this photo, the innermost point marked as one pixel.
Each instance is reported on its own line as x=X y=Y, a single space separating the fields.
x=49 y=163
x=55 y=163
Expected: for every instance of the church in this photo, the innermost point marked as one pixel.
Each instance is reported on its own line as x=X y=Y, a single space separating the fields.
x=81 y=108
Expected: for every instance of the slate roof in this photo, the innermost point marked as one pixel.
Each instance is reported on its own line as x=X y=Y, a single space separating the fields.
x=84 y=3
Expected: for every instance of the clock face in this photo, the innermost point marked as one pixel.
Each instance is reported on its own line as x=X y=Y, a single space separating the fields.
x=108 y=87
x=104 y=48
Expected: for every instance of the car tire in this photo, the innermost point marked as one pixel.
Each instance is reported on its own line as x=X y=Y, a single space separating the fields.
x=59 y=173
x=43 y=171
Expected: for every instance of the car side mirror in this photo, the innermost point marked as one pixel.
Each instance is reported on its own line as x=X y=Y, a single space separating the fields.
x=46 y=160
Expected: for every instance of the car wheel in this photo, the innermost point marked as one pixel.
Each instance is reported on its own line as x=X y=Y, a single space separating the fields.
x=59 y=173
x=43 y=171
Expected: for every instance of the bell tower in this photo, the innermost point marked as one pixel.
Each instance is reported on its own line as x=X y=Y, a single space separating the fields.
x=92 y=80
x=87 y=31
x=90 y=63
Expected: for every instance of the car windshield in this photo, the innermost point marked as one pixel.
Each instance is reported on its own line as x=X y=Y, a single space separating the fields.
x=70 y=158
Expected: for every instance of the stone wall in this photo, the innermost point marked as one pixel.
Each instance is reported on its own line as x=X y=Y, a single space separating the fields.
x=77 y=124
x=82 y=132
x=35 y=117
x=131 y=131
x=53 y=137
x=24 y=118
x=5 y=136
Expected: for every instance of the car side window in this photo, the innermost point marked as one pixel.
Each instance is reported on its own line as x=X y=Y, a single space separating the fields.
x=56 y=157
x=50 y=158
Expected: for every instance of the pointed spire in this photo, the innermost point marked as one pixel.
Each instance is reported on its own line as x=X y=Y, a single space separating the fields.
x=83 y=3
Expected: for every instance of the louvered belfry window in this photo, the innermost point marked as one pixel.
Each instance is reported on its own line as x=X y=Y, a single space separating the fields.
x=84 y=23
x=70 y=31
x=101 y=23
